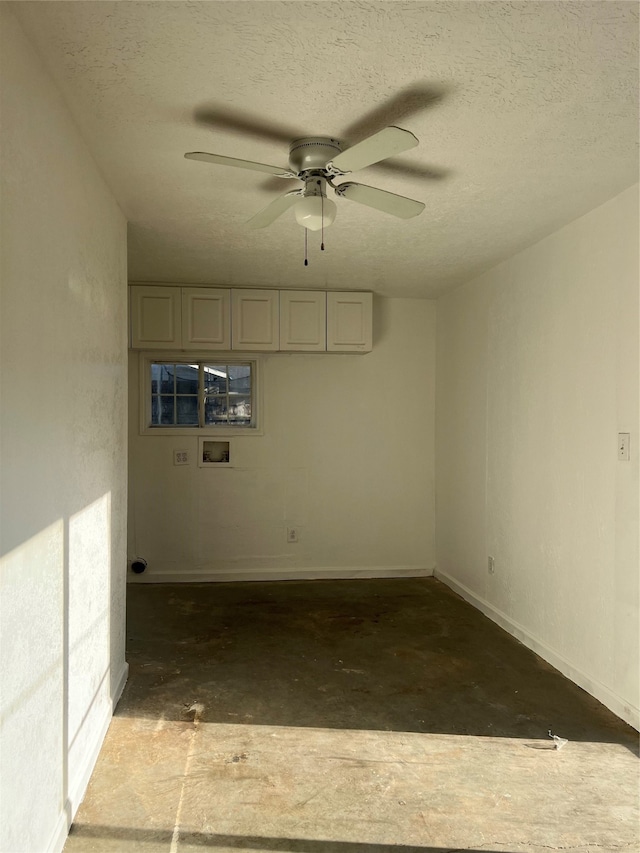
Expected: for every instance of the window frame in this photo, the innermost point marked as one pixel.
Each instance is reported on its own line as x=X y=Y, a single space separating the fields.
x=146 y=359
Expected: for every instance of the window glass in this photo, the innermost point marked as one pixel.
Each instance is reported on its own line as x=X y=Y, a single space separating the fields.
x=187 y=411
x=240 y=378
x=156 y=369
x=201 y=394
x=187 y=379
x=215 y=410
x=166 y=410
x=166 y=376
x=215 y=378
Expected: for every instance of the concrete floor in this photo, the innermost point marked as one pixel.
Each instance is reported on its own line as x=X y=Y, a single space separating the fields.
x=349 y=717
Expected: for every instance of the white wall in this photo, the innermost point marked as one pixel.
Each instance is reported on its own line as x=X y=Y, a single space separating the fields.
x=537 y=373
x=346 y=457
x=63 y=455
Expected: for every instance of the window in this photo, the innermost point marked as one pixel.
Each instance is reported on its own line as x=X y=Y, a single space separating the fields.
x=215 y=395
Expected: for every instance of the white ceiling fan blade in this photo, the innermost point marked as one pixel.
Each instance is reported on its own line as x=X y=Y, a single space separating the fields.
x=240 y=164
x=385 y=143
x=275 y=209
x=396 y=205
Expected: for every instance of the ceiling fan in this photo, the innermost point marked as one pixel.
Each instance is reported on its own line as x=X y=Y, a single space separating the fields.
x=317 y=161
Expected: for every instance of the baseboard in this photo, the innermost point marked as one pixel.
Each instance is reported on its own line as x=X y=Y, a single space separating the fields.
x=78 y=786
x=60 y=834
x=120 y=685
x=612 y=701
x=281 y=574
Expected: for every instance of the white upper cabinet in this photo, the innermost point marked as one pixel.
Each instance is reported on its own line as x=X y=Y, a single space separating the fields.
x=255 y=321
x=224 y=319
x=349 y=322
x=206 y=318
x=155 y=317
x=303 y=320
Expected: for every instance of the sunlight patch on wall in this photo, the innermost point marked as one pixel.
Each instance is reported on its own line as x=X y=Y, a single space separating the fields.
x=89 y=618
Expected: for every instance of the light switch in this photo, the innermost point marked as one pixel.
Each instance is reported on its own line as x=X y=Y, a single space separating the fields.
x=623 y=446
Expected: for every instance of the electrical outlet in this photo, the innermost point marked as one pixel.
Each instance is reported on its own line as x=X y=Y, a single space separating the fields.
x=491 y=565
x=180 y=457
x=623 y=446
x=292 y=534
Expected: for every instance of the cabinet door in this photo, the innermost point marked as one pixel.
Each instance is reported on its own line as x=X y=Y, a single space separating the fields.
x=255 y=320
x=349 y=322
x=206 y=318
x=303 y=320
x=155 y=317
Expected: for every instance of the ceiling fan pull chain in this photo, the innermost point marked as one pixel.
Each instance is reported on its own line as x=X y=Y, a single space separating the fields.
x=322 y=217
x=306 y=262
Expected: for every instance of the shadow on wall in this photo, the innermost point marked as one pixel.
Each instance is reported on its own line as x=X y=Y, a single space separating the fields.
x=381 y=322
x=403 y=655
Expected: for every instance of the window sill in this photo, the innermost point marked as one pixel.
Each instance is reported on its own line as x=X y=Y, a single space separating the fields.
x=207 y=432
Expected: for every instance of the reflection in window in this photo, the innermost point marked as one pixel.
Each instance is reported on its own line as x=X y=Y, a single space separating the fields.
x=227 y=394
x=201 y=394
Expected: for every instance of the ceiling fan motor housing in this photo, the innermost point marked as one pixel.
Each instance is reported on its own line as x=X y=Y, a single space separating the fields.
x=316 y=160
x=312 y=153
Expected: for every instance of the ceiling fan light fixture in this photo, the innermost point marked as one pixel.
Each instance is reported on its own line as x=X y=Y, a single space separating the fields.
x=316 y=161
x=315 y=211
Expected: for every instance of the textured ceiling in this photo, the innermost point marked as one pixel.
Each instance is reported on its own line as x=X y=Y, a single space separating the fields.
x=527 y=116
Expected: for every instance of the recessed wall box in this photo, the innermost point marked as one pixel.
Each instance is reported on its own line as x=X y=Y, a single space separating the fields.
x=213 y=453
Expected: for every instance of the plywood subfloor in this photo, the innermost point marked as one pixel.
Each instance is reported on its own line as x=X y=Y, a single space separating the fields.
x=349 y=717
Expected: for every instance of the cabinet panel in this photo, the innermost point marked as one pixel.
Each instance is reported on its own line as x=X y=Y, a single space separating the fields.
x=255 y=320
x=303 y=320
x=155 y=317
x=349 y=322
x=206 y=318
